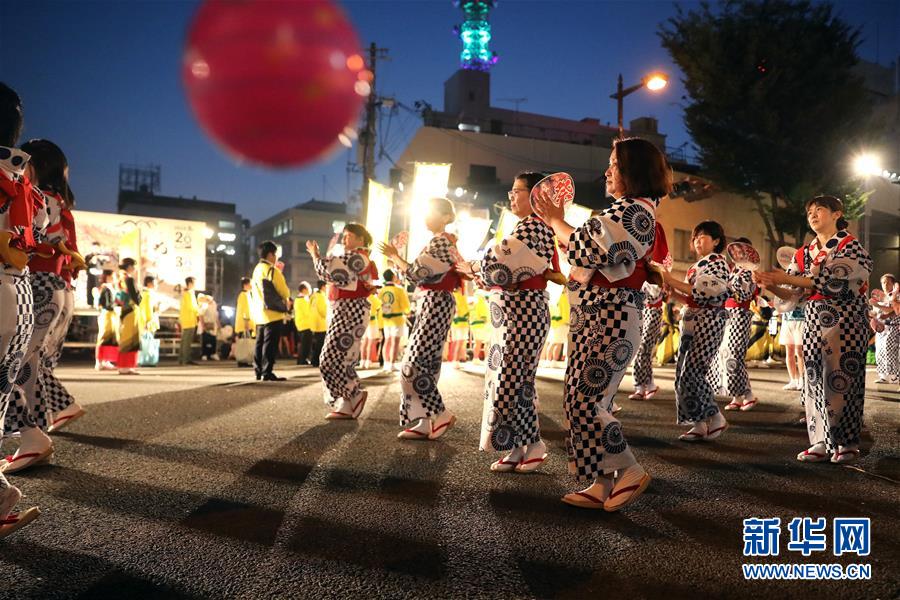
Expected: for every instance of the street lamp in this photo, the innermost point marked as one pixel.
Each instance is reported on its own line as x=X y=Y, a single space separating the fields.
x=653 y=82
x=866 y=165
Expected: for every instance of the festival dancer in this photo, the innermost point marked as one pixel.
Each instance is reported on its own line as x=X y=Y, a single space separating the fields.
x=394 y=308
x=833 y=270
x=644 y=386
x=434 y=272
x=704 y=291
x=515 y=271
x=791 y=337
x=606 y=318
x=62 y=405
x=887 y=341
x=372 y=338
x=351 y=277
x=733 y=352
x=128 y=299
x=16 y=318
x=107 y=344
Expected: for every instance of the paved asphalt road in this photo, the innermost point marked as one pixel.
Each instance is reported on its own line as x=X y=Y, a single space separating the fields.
x=195 y=483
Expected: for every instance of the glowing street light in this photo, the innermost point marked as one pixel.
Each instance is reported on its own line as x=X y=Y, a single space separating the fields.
x=866 y=165
x=653 y=82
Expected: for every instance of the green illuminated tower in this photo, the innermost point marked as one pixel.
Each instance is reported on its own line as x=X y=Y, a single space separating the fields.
x=475 y=34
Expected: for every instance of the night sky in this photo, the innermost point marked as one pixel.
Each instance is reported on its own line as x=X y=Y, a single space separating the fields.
x=102 y=79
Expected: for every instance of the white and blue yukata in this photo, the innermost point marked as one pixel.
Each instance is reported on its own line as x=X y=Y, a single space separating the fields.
x=728 y=375
x=702 y=328
x=651 y=320
x=835 y=338
x=520 y=321
x=887 y=342
x=433 y=271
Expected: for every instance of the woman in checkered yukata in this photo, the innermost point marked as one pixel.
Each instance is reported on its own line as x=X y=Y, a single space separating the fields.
x=434 y=272
x=728 y=374
x=831 y=276
x=351 y=275
x=610 y=256
x=516 y=271
x=703 y=291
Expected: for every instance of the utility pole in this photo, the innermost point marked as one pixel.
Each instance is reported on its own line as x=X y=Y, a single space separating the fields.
x=367 y=137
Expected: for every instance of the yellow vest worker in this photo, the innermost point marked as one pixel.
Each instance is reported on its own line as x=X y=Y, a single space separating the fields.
x=318 y=312
x=190 y=310
x=394 y=305
x=302 y=313
x=266 y=270
x=480 y=319
x=147 y=319
x=375 y=317
x=461 y=319
x=242 y=314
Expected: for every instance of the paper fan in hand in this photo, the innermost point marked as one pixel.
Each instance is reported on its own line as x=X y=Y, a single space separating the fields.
x=400 y=240
x=878 y=295
x=784 y=256
x=559 y=187
x=876 y=325
x=743 y=255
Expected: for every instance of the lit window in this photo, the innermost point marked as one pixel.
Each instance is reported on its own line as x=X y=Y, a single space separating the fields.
x=227 y=237
x=226 y=224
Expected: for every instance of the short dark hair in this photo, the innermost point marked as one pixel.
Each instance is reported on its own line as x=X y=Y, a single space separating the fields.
x=643 y=167
x=266 y=248
x=831 y=203
x=388 y=275
x=359 y=230
x=244 y=281
x=126 y=264
x=303 y=286
x=531 y=178
x=11 y=116
x=49 y=164
x=713 y=230
x=188 y=280
x=148 y=279
x=104 y=277
x=320 y=284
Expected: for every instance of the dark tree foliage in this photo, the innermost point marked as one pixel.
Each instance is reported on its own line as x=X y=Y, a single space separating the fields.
x=774 y=105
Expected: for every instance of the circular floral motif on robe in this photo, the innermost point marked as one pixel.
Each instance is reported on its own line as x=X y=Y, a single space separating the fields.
x=494 y=418
x=44 y=317
x=852 y=363
x=841 y=269
x=838 y=382
x=576 y=319
x=710 y=411
x=618 y=354
x=527 y=394
x=691 y=405
x=813 y=373
x=423 y=384
x=497 y=274
x=621 y=253
x=498 y=317
x=837 y=287
x=503 y=438
x=594 y=377
x=41 y=296
x=731 y=365
x=359 y=331
x=639 y=224
x=612 y=439
x=351 y=370
x=422 y=272
x=356 y=263
x=340 y=277
x=7 y=376
x=24 y=374
x=344 y=341
x=407 y=370
x=495 y=357
x=828 y=316
x=523 y=273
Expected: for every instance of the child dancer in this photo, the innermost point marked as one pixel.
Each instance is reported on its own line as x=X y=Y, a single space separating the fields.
x=644 y=387
x=434 y=272
x=736 y=340
x=351 y=276
x=704 y=291
x=833 y=270
x=887 y=341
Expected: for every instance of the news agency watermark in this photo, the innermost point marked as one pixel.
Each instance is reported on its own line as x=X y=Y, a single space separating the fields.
x=808 y=537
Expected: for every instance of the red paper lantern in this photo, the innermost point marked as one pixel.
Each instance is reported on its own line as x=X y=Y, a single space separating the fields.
x=274 y=83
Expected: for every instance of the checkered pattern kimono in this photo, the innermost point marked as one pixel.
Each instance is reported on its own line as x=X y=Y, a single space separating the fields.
x=604 y=328
x=728 y=374
x=51 y=392
x=352 y=272
x=651 y=319
x=835 y=338
x=702 y=328
x=421 y=368
x=887 y=343
x=520 y=320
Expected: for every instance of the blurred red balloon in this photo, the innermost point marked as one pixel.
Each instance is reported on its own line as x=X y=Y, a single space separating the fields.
x=275 y=83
